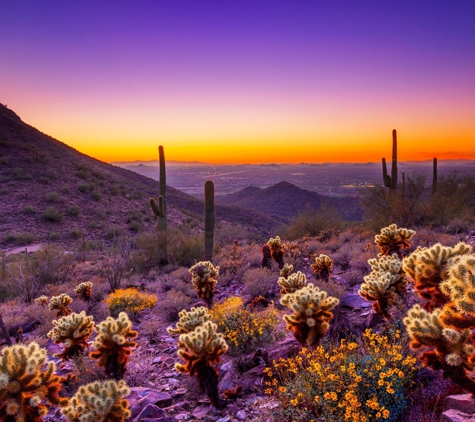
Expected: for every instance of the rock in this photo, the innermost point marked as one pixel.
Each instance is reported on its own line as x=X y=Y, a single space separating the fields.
x=225 y=419
x=201 y=411
x=453 y=415
x=140 y=397
x=258 y=370
x=241 y=415
x=180 y=392
x=462 y=402
x=354 y=301
x=151 y=411
x=226 y=367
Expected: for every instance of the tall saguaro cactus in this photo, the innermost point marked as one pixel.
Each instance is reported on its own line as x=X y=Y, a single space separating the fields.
x=160 y=208
x=210 y=218
x=386 y=177
x=394 y=162
x=434 y=175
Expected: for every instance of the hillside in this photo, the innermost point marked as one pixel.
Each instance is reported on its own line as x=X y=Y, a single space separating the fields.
x=39 y=174
x=284 y=200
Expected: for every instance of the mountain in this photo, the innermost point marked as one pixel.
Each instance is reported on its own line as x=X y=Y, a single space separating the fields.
x=49 y=190
x=284 y=200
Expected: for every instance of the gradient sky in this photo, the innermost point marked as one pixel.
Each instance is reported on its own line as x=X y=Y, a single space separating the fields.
x=234 y=81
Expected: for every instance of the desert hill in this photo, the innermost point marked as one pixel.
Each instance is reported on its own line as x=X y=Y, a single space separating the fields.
x=284 y=200
x=50 y=191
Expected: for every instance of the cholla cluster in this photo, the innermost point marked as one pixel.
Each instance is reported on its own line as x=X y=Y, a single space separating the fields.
x=99 y=402
x=190 y=320
x=322 y=267
x=393 y=240
x=311 y=313
x=286 y=270
x=385 y=283
x=60 y=305
x=72 y=330
x=24 y=386
x=292 y=283
x=84 y=290
x=276 y=244
x=203 y=277
x=42 y=300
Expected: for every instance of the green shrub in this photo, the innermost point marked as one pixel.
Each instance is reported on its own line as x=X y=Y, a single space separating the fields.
x=76 y=233
x=51 y=214
x=25 y=238
x=53 y=197
x=74 y=211
x=184 y=249
x=86 y=188
x=29 y=210
x=82 y=174
x=131 y=301
x=114 y=232
x=96 y=196
x=54 y=236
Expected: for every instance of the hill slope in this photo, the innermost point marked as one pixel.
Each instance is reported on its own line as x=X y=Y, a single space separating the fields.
x=285 y=200
x=38 y=173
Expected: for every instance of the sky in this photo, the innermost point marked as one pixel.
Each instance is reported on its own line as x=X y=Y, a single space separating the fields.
x=235 y=81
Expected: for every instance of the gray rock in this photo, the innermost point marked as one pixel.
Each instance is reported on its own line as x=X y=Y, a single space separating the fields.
x=201 y=411
x=241 y=415
x=453 y=415
x=354 y=301
x=151 y=412
x=461 y=402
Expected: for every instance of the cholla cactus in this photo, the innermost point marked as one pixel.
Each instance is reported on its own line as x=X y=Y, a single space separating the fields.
x=60 y=305
x=84 y=291
x=189 y=320
x=286 y=270
x=277 y=250
x=72 y=330
x=449 y=349
x=42 y=300
x=322 y=267
x=428 y=267
x=311 y=307
x=24 y=387
x=99 y=402
x=384 y=284
x=203 y=277
x=266 y=257
x=292 y=283
x=393 y=240
x=201 y=349
x=114 y=345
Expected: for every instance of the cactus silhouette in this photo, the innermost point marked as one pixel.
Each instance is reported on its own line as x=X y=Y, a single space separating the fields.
x=386 y=177
x=292 y=283
x=203 y=277
x=311 y=314
x=114 y=345
x=201 y=349
x=384 y=284
x=73 y=331
x=100 y=401
x=60 y=305
x=394 y=162
x=322 y=267
x=393 y=240
x=26 y=389
x=434 y=175
x=210 y=217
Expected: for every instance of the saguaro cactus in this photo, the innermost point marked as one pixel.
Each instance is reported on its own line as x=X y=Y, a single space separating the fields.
x=386 y=177
x=394 y=162
x=160 y=208
x=210 y=218
x=434 y=175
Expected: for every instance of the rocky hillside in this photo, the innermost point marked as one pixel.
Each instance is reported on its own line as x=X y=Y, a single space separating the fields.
x=285 y=200
x=50 y=191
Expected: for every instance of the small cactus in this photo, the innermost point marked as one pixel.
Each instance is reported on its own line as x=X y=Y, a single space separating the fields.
x=266 y=257
x=311 y=314
x=292 y=283
x=201 y=349
x=73 y=331
x=384 y=284
x=277 y=250
x=100 y=401
x=84 y=291
x=322 y=267
x=25 y=388
x=42 y=300
x=114 y=345
x=393 y=240
x=60 y=305
x=286 y=270
x=189 y=320
x=203 y=277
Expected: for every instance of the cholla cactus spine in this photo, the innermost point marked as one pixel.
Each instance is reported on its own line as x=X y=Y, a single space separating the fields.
x=60 y=305
x=292 y=283
x=203 y=277
x=99 y=402
x=114 y=345
x=311 y=314
x=73 y=330
x=24 y=387
x=393 y=240
x=190 y=320
x=84 y=290
x=323 y=266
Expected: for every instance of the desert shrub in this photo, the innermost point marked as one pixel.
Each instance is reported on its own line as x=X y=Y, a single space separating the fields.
x=114 y=263
x=184 y=249
x=82 y=174
x=244 y=331
x=54 y=236
x=20 y=239
x=114 y=232
x=261 y=282
x=131 y=301
x=51 y=214
x=96 y=196
x=353 y=277
x=92 y=225
x=135 y=226
x=65 y=190
x=76 y=233
x=146 y=254
x=173 y=302
x=28 y=210
x=74 y=211
x=53 y=197
x=322 y=224
x=349 y=382
x=153 y=329
x=114 y=190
